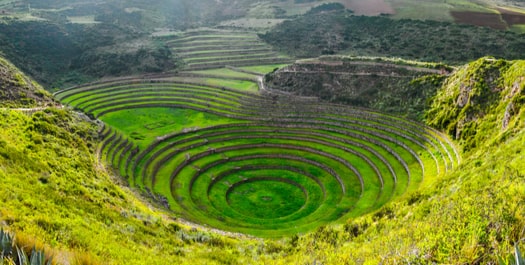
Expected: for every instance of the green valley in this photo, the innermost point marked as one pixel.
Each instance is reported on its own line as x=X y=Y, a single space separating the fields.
x=261 y=132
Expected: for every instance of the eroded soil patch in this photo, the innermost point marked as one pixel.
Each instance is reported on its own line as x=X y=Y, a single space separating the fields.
x=491 y=20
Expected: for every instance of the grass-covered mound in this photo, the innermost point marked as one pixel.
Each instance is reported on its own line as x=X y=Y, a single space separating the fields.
x=267 y=165
x=482 y=102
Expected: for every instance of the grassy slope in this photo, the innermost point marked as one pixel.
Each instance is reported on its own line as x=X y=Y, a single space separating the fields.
x=17 y=90
x=134 y=122
x=481 y=103
x=53 y=189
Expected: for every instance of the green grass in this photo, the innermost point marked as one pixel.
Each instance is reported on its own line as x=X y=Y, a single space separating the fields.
x=232 y=35
x=219 y=58
x=518 y=28
x=224 y=72
x=204 y=52
x=236 y=84
x=266 y=199
x=46 y=161
x=215 y=42
x=163 y=120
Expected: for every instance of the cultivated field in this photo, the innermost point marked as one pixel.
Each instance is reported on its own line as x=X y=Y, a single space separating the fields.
x=256 y=162
x=210 y=48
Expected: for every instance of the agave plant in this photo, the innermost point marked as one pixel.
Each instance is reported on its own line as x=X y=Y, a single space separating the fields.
x=37 y=257
x=516 y=259
x=6 y=244
x=7 y=255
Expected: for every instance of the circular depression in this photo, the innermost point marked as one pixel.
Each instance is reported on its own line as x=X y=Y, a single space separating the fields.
x=266 y=197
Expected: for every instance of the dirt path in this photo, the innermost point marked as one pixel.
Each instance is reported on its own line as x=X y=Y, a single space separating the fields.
x=349 y=73
x=407 y=67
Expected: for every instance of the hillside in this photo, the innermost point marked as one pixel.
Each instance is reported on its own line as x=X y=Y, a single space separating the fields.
x=17 y=90
x=481 y=103
x=63 y=54
x=65 y=43
x=340 y=32
x=391 y=85
x=56 y=195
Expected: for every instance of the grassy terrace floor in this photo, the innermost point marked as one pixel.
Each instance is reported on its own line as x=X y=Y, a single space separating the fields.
x=217 y=151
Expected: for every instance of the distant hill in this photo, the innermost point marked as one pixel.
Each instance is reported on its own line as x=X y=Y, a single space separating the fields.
x=60 y=54
x=343 y=33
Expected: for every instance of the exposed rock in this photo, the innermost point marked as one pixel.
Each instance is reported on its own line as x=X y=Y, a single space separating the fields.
x=509 y=112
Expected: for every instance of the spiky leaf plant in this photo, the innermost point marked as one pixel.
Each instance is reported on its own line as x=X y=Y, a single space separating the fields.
x=22 y=257
x=516 y=259
x=6 y=244
x=8 y=257
x=37 y=257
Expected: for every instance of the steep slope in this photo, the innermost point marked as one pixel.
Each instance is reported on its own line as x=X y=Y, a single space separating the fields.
x=17 y=90
x=481 y=103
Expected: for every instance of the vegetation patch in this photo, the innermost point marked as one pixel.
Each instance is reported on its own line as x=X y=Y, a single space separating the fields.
x=341 y=33
x=17 y=90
